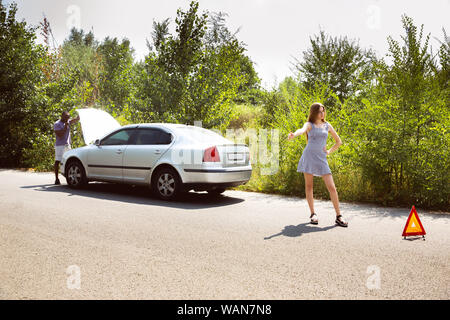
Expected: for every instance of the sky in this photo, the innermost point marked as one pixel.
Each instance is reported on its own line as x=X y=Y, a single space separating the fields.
x=275 y=32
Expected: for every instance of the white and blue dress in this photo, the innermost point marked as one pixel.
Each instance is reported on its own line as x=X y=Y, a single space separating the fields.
x=314 y=158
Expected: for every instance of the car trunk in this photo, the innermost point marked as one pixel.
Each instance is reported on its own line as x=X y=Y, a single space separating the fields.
x=234 y=155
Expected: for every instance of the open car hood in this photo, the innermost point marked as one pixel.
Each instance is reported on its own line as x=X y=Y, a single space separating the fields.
x=96 y=123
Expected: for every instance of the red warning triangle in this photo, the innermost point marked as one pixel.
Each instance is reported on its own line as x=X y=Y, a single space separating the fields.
x=413 y=225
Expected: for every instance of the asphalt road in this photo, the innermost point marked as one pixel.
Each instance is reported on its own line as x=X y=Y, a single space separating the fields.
x=118 y=242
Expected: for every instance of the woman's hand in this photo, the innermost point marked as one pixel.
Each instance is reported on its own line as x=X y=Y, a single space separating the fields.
x=326 y=151
x=291 y=136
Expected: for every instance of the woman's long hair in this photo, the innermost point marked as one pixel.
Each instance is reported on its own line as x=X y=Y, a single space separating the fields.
x=314 y=112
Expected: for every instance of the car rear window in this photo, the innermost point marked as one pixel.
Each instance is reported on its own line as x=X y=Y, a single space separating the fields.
x=199 y=135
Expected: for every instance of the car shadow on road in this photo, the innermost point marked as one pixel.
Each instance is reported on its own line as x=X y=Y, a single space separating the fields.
x=298 y=230
x=140 y=195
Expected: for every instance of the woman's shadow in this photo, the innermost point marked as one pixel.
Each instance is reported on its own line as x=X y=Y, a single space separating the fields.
x=298 y=230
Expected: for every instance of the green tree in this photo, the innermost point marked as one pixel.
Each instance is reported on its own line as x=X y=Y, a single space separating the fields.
x=159 y=34
x=401 y=134
x=192 y=75
x=340 y=63
x=115 y=76
x=218 y=35
x=80 y=56
x=443 y=70
x=20 y=58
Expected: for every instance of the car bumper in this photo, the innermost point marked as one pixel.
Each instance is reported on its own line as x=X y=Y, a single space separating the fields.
x=211 y=186
x=217 y=175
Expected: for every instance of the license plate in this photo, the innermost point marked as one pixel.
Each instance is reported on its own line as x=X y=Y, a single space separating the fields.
x=235 y=156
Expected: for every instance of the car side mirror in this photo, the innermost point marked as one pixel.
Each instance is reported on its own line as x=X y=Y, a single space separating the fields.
x=97 y=142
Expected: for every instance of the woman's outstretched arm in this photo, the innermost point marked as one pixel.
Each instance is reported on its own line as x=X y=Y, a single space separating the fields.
x=299 y=132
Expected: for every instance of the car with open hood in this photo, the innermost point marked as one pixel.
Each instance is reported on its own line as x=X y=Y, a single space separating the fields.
x=169 y=158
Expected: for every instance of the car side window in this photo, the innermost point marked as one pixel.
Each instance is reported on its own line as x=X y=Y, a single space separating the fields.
x=151 y=137
x=116 y=139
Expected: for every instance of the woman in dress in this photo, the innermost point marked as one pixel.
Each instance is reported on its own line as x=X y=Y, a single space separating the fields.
x=313 y=161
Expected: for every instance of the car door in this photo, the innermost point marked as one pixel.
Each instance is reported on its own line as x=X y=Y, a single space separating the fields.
x=105 y=161
x=145 y=149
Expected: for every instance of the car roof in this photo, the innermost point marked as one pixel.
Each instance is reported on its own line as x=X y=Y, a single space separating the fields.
x=159 y=124
x=172 y=127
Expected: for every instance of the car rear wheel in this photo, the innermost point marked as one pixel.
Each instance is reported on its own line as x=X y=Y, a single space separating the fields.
x=166 y=184
x=75 y=175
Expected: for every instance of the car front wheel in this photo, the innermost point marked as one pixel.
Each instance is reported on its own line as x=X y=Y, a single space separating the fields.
x=75 y=175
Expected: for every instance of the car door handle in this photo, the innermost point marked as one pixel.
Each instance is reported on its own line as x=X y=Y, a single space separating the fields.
x=157 y=151
x=119 y=151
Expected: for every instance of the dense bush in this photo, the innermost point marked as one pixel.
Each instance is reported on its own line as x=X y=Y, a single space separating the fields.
x=394 y=129
x=391 y=113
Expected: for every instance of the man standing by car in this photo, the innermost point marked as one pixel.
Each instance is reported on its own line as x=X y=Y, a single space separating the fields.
x=62 y=144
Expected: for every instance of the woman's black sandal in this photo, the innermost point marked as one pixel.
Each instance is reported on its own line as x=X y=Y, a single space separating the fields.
x=314 y=220
x=340 y=222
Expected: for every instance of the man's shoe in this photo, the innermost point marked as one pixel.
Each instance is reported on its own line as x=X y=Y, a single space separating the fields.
x=57 y=182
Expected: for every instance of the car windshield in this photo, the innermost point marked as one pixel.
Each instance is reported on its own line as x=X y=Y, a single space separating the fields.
x=201 y=135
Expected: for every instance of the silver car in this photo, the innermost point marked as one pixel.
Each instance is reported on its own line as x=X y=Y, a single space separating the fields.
x=170 y=158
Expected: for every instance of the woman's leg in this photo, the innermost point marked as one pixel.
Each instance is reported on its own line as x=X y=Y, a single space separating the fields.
x=329 y=182
x=309 y=190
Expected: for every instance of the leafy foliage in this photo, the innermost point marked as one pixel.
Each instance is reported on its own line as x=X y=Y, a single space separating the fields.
x=340 y=63
x=19 y=72
x=391 y=113
x=194 y=74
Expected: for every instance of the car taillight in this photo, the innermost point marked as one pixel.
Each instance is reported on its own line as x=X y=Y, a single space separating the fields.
x=211 y=155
